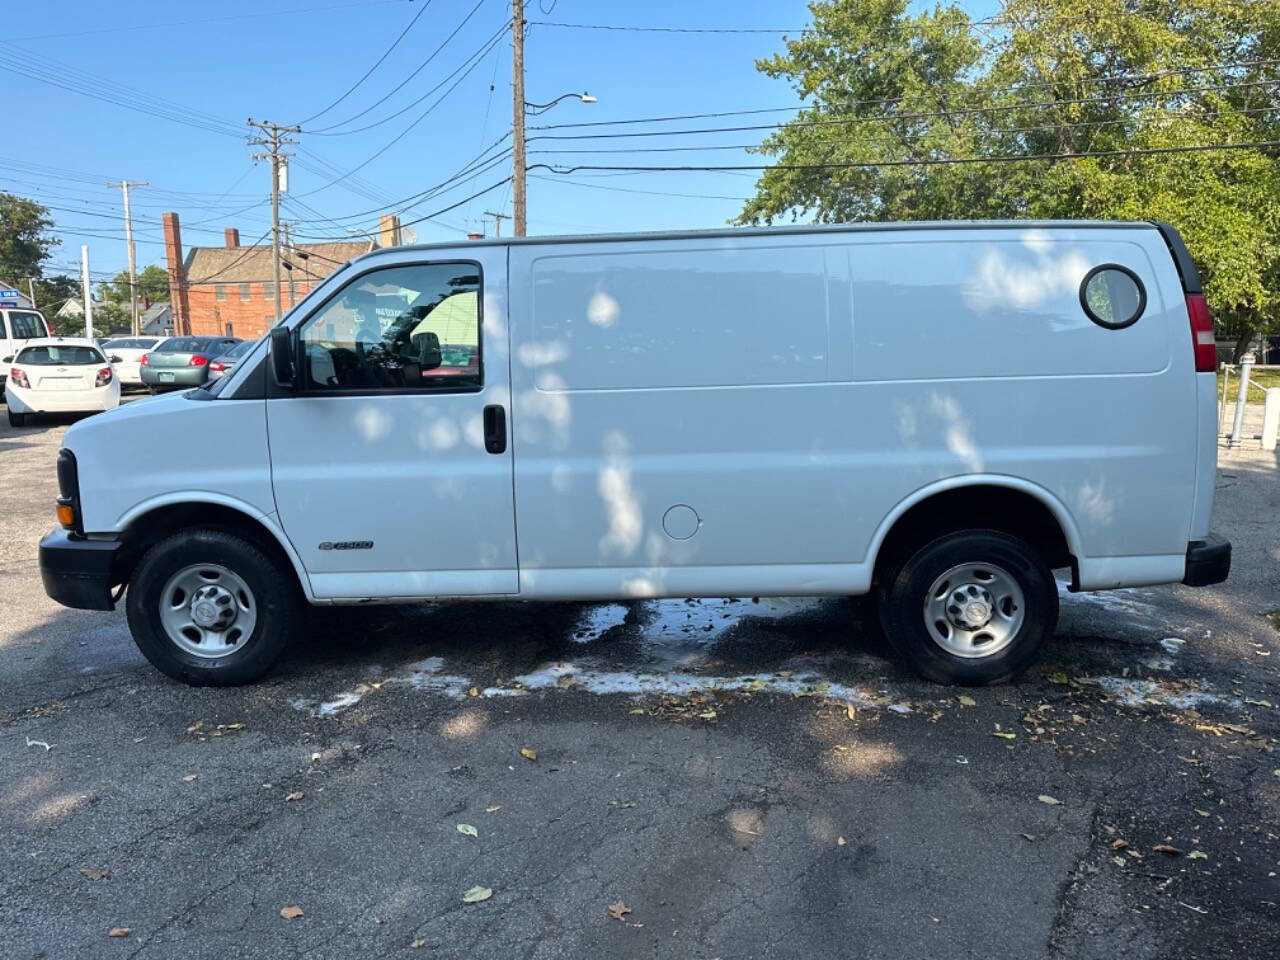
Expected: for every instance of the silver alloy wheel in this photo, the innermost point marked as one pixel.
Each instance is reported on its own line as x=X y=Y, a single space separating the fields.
x=974 y=610
x=207 y=610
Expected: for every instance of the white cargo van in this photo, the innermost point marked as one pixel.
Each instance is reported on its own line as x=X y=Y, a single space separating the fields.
x=941 y=413
x=17 y=326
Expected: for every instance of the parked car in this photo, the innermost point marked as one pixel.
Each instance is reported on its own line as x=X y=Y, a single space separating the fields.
x=181 y=362
x=939 y=414
x=59 y=375
x=17 y=328
x=125 y=354
x=221 y=366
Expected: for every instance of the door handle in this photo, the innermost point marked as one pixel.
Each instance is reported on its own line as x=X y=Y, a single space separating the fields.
x=495 y=428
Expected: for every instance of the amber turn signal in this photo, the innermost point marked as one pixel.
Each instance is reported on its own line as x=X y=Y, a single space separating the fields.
x=67 y=515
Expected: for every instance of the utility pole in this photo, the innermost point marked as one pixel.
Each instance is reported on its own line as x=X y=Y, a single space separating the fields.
x=31 y=288
x=88 y=291
x=273 y=142
x=497 y=221
x=124 y=186
x=517 y=116
x=288 y=242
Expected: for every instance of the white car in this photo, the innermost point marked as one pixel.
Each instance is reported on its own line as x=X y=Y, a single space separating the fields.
x=59 y=375
x=125 y=354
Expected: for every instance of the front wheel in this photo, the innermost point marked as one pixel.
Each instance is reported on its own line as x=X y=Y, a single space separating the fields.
x=972 y=608
x=210 y=608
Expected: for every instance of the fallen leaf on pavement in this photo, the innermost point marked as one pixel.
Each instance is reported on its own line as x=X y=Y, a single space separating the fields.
x=468 y=830
x=296 y=795
x=528 y=754
x=707 y=715
x=492 y=808
x=638 y=711
x=95 y=873
x=477 y=894
x=189 y=777
x=1167 y=848
x=418 y=944
x=967 y=701
x=1059 y=678
x=1004 y=734
x=1052 y=801
x=1030 y=837
x=850 y=712
x=1197 y=855
x=1119 y=843
x=840 y=841
x=618 y=910
x=290 y=913
x=473 y=692
x=119 y=932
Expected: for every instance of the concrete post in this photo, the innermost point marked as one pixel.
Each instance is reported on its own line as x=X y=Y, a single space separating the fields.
x=1271 y=419
x=1242 y=397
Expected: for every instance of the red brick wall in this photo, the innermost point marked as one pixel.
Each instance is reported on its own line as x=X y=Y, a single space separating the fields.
x=249 y=319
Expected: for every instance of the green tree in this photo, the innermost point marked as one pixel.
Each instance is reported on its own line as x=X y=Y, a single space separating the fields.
x=152 y=283
x=897 y=99
x=25 y=242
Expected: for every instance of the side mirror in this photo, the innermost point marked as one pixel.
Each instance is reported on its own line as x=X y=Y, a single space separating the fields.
x=8 y=359
x=114 y=359
x=428 y=348
x=283 y=354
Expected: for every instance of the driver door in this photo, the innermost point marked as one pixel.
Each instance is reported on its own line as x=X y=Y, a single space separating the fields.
x=390 y=465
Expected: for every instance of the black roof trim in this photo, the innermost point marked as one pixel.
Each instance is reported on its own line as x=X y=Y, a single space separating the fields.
x=1181 y=257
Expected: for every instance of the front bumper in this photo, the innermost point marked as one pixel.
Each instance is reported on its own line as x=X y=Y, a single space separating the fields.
x=183 y=377
x=1208 y=561
x=77 y=572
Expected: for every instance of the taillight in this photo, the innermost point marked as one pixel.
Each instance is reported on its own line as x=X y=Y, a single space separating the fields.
x=104 y=377
x=217 y=367
x=19 y=377
x=197 y=361
x=1202 y=342
x=143 y=361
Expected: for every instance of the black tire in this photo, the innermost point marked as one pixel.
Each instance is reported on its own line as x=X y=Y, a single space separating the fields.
x=17 y=419
x=905 y=590
x=278 y=607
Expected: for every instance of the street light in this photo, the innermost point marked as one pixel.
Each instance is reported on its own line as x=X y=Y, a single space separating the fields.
x=536 y=108
x=522 y=107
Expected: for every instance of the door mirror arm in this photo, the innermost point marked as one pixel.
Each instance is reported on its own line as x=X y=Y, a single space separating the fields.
x=283 y=354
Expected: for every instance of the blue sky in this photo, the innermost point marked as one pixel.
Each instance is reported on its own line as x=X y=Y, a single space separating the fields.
x=286 y=59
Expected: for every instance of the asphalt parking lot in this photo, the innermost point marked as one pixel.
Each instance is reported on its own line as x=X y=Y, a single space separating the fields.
x=728 y=779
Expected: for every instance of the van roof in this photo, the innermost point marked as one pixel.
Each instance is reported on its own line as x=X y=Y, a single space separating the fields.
x=784 y=230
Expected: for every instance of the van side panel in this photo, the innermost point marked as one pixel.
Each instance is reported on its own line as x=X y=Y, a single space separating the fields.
x=689 y=412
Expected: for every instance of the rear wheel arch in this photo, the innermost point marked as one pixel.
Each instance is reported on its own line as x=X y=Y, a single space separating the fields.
x=1003 y=504
x=160 y=522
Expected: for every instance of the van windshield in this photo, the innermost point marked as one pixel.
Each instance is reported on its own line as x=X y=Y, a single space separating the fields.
x=58 y=356
x=25 y=326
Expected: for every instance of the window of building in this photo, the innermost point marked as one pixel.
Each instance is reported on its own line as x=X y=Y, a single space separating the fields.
x=220 y=291
x=245 y=292
x=400 y=328
x=269 y=291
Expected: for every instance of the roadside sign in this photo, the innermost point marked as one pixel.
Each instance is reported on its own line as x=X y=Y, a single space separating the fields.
x=10 y=298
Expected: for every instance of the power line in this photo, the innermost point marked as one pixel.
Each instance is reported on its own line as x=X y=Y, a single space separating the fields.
x=640 y=29
x=653 y=193
x=882 y=101
x=940 y=161
x=377 y=63
x=998 y=131
x=928 y=115
x=443 y=210
x=396 y=89
x=476 y=59
x=157 y=25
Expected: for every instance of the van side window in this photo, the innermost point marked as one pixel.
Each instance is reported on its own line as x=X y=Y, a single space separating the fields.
x=25 y=326
x=399 y=328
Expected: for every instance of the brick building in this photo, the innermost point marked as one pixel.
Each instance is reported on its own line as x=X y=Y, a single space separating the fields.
x=229 y=289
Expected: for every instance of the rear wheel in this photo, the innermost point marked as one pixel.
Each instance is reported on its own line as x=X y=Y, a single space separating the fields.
x=209 y=607
x=17 y=419
x=972 y=608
